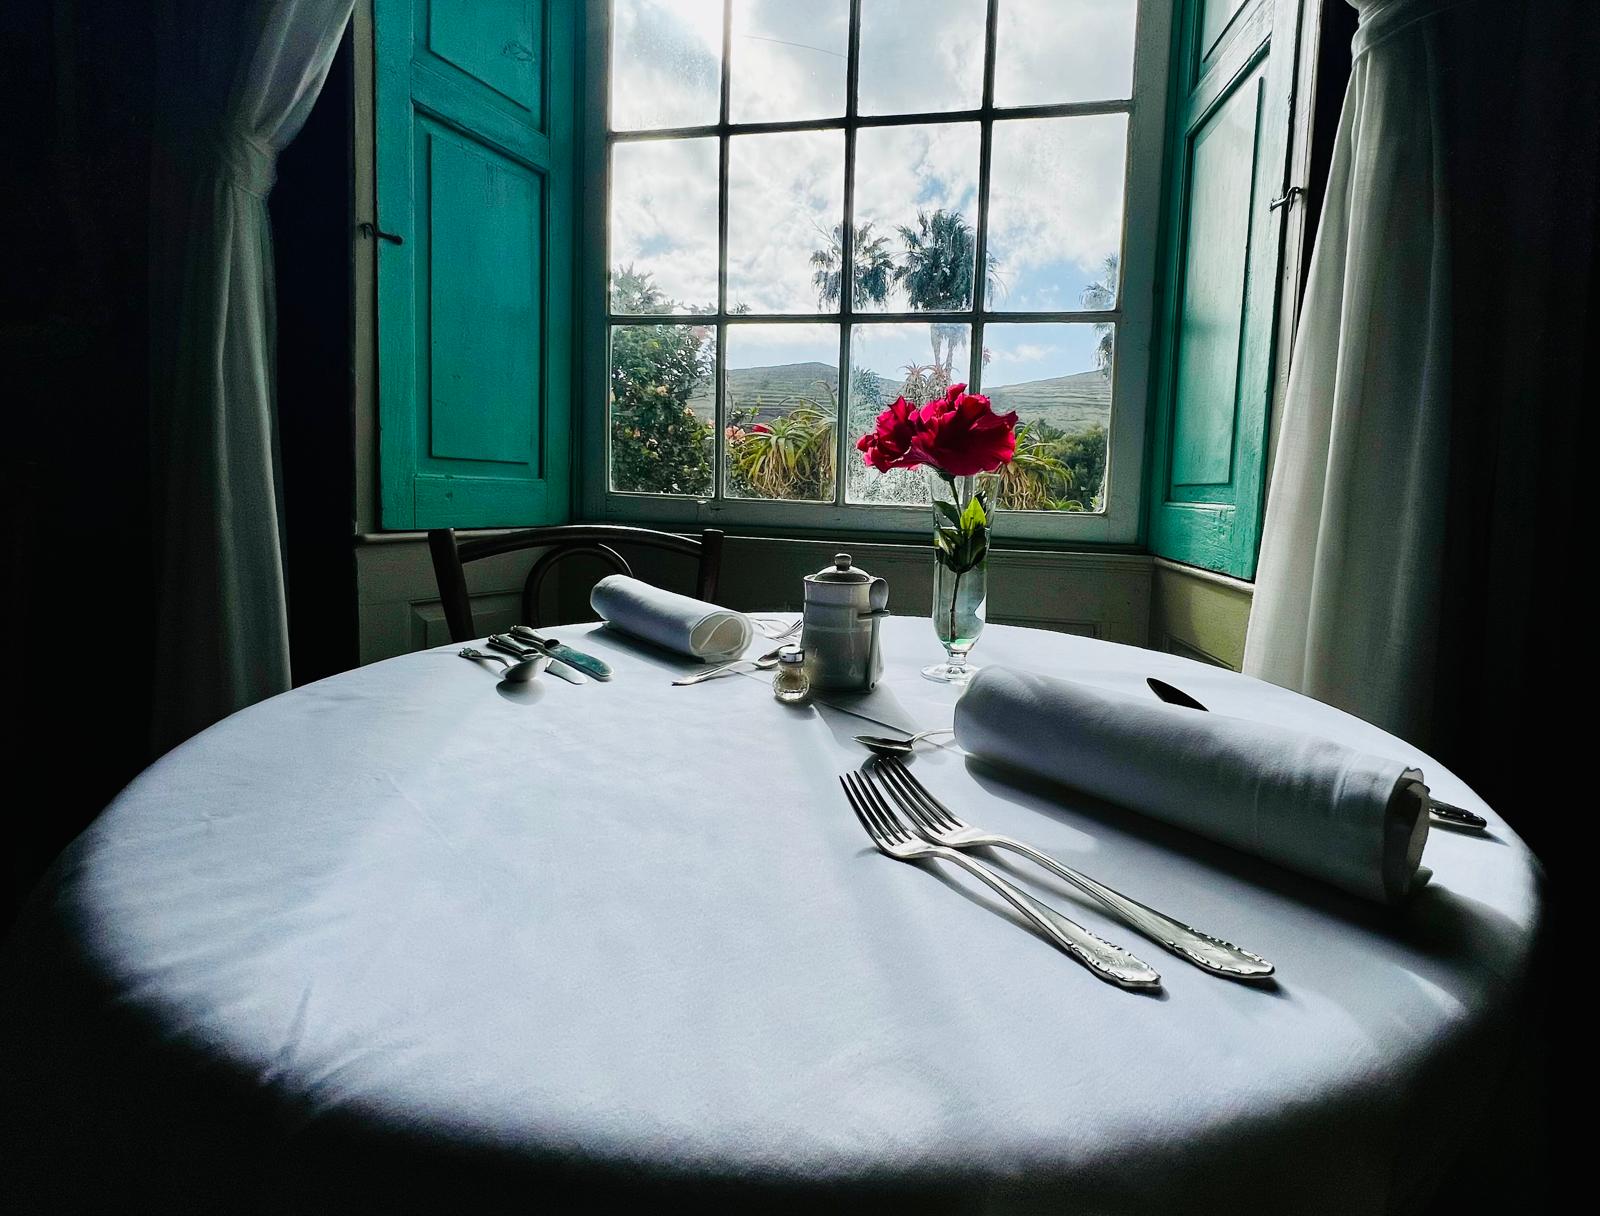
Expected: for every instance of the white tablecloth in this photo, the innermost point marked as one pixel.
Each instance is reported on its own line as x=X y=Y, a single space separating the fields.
x=408 y=938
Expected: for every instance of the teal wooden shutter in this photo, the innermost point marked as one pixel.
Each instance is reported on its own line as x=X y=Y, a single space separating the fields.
x=476 y=176
x=1233 y=93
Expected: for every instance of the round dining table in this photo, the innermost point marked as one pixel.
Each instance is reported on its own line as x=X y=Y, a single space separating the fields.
x=413 y=938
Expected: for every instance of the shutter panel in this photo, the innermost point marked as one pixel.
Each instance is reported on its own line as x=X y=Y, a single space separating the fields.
x=1234 y=92
x=476 y=155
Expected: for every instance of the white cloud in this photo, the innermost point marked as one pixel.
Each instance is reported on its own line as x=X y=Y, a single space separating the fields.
x=785 y=195
x=1056 y=195
x=664 y=215
x=788 y=60
x=666 y=58
x=1055 y=205
x=1063 y=50
x=921 y=55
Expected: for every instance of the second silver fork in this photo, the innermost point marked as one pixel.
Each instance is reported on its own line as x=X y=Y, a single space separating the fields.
x=938 y=824
x=894 y=839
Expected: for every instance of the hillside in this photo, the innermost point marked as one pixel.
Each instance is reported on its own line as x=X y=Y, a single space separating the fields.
x=1072 y=403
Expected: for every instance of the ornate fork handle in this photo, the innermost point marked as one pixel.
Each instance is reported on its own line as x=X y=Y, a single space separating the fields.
x=1199 y=948
x=1109 y=962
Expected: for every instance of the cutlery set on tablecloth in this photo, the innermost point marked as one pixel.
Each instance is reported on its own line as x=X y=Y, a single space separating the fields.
x=526 y=654
x=906 y=822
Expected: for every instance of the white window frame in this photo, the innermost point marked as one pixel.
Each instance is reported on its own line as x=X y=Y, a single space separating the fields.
x=1119 y=522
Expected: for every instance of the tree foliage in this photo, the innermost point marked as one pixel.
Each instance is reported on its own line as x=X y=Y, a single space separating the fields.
x=658 y=444
x=1053 y=470
x=789 y=457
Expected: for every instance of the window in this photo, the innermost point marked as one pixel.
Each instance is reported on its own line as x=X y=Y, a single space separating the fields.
x=811 y=209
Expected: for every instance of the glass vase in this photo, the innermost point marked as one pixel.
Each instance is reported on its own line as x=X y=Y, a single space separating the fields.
x=963 y=513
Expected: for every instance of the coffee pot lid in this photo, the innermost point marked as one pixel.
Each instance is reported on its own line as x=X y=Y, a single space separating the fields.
x=841 y=572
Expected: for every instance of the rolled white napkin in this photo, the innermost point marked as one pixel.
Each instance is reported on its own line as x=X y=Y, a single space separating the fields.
x=678 y=622
x=1310 y=804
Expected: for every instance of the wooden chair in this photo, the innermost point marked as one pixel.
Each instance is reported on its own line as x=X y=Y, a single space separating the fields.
x=563 y=541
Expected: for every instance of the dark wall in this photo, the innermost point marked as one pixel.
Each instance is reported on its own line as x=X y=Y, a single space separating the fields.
x=76 y=93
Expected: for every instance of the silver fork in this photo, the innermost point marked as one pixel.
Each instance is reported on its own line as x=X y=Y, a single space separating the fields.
x=938 y=824
x=893 y=838
x=786 y=631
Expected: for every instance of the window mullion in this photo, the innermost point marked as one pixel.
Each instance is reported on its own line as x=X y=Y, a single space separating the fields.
x=980 y=269
x=847 y=252
x=719 y=433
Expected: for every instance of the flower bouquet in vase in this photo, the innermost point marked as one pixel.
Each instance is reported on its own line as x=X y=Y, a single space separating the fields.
x=961 y=443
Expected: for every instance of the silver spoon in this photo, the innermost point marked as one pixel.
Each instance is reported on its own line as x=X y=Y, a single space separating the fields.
x=885 y=746
x=766 y=661
x=515 y=673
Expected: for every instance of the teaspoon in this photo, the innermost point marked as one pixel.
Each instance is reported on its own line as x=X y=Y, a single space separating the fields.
x=885 y=746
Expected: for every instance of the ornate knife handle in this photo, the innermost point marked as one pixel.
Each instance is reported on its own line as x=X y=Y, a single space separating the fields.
x=1201 y=949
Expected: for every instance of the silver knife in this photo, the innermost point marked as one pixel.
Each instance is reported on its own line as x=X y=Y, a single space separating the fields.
x=1444 y=812
x=564 y=670
x=557 y=649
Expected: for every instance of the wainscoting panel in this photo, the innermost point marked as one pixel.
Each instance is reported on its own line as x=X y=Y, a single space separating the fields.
x=1102 y=595
x=1198 y=614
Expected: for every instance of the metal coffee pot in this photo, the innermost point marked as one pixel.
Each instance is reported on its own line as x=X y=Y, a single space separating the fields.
x=840 y=634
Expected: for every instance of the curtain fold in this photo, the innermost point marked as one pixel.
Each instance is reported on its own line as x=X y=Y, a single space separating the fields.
x=1426 y=469
x=235 y=83
x=1346 y=607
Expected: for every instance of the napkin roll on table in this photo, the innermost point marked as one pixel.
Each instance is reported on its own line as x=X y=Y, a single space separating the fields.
x=677 y=622
x=1312 y=805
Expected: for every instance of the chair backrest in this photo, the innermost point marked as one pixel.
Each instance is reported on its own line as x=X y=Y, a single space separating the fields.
x=563 y=541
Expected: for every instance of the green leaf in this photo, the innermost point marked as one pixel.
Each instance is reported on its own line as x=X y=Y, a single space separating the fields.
x=949 y=509
x=974 y=517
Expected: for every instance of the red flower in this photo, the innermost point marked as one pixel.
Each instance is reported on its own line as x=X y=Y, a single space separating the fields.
x=889 y=446
x=961 y=434
x=761 y=428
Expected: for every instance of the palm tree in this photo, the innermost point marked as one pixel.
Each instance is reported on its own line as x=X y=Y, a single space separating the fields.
x=1098 y=296
x=873 y=267
x=938 y=275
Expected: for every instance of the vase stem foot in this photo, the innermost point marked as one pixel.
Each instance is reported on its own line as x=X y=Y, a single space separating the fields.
x=950 y=673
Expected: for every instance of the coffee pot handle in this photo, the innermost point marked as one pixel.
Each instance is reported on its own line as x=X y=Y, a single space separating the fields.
x=878 y=598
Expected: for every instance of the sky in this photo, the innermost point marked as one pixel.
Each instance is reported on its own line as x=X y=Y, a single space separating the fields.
x=1055 y=197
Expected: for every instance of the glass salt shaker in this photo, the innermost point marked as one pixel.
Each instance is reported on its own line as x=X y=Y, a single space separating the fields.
x=790 y=684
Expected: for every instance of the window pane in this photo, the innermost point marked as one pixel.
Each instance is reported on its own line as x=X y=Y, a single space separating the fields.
x=920 y=56
x=666 y=63
x=889 y=361
x=1058 y=379
x=1049 y=51
x=662 y=408
x=664 y=225
x=782 y=399
x=1214 y=19
x=785 y=195
x=916 y=201
x=788 y=60
x=1055 y=212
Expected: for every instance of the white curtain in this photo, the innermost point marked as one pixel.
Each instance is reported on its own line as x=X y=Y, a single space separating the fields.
x=1346 y=602
x=236 y=80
